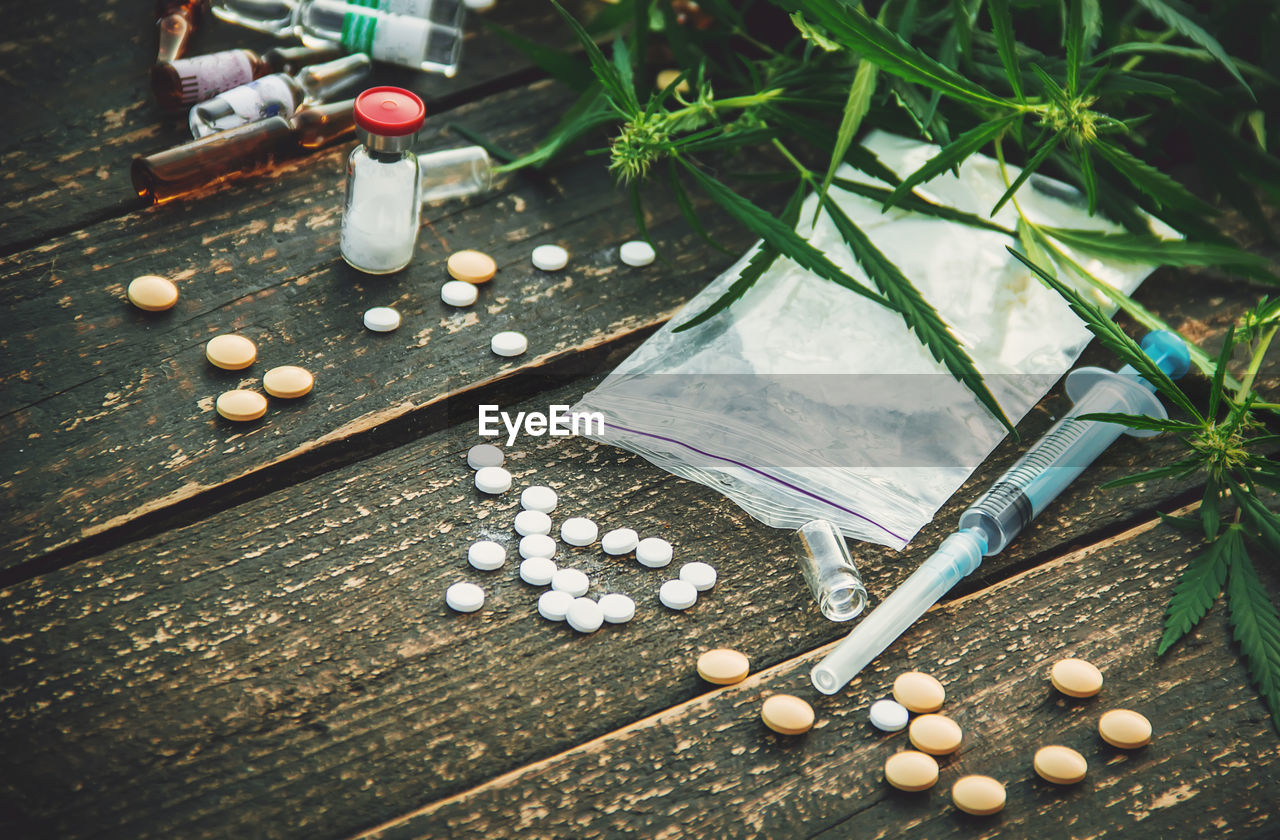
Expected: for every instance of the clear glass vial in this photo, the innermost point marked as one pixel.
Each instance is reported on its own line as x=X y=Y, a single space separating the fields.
x=454 y=173
x=274 y=17
x=384 y=183
x=422 y=34
x=829 y=570
x=277 y=95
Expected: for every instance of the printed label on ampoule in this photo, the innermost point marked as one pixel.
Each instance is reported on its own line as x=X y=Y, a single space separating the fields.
x=205 y=76
x=395 y=31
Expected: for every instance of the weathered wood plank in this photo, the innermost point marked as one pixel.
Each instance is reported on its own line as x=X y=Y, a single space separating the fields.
x=109 y=411
x=709 y=767
x=289 y=665
x=80 y=105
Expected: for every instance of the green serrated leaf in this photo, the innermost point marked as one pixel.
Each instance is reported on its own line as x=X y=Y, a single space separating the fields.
x=1264 y=523
x=1220 y=371
x=623 y=96
x=589 y=112
x=560 y=65
x=1033 y=247
x=916 y=204
x=1151 y=181
x=1190 y=29
x=1178 y=469
x=952 y=154
x=1089 y=177
x=871 y=40
x=1028 y=170
x=752 y=271
x=781 y=236
x=686 y=208
x=1182 y=523
x=1115 y=339
x=1211 y=508
x=1073 y=40
x=1150 y=249
x=1006 y=44
x=1197 y=589
x=1141 y=421
x=855 y=108
x=920 y=316
x=1256 y=627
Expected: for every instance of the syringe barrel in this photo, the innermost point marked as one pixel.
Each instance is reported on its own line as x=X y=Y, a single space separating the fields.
x=958 y=555
x=1049 y=466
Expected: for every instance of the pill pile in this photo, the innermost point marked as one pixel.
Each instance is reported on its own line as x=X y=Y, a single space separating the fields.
x=241 y=405
x=934 y=734
x=567 y=599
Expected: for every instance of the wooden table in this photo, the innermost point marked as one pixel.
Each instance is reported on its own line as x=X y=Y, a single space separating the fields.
x=219 y=630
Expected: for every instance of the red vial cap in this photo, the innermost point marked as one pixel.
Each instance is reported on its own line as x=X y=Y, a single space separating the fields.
x=389 y=111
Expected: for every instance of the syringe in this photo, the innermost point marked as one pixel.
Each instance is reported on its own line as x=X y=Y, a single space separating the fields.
x=1014 y=500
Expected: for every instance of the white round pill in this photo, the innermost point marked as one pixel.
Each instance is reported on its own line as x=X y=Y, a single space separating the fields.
x=702 y=576
x=537 y=571
x=464 y=597
x=481 y=5
x=539 y=498
x=585 y=615
x=381 y=319
x=578 y=530
x=678 y=594
x=537 y=545
x=459 y=293
x=530 y=522
x=493 y=480
x=486 y=555
x=617 y=608
x=572 y=581
x=509 y=343
x=888 y=715
x=550 y=257
x=554 y=604
x=636 y=253
x=619 y=541
x=484 y=455
x=654 y=552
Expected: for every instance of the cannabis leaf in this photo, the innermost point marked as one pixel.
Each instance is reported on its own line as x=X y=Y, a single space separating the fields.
x=1198 y=587
x=1256 y=627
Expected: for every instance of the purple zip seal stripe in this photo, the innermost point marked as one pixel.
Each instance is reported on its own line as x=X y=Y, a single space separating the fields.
x=758 y=472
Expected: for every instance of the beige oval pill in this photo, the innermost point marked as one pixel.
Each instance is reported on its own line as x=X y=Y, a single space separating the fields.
x=911 y=770
x=787 y=714
x=723 y=666
x=241 y=405
x=919 y=692
x=1125 y=729
x=1075 y=677
x=935 y=734
x=980 y=795
x=666 y=77
x=472 y=266
x=231 y=352
x=1060 y=765
x=288 y=382
x=152 y=293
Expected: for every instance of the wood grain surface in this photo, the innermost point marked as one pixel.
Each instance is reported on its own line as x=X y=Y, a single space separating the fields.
x=256 y=671
x=710 y=768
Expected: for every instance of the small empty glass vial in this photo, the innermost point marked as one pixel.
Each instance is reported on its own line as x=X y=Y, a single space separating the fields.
x=830 y=572
x=453 y=173
x=422 y=34
x=384 y=184
x=277 y=95
x=176 y=22
x=274 y=17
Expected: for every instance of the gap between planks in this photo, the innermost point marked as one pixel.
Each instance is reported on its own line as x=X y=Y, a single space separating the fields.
x=755 y=678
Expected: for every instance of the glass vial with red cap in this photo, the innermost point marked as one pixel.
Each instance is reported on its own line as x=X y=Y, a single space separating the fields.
x=384 y=184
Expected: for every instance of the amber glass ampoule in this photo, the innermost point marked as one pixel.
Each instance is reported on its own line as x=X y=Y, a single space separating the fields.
x=184 y=82
x=220 y=157
x=176 y=22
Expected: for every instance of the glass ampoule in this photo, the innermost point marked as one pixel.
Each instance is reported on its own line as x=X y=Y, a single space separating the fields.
x=186 y=81
x=422 y=34
x=829 y=570
x=275 y=17
x=187 y=169
x=278 y=94
x=176 y=22
x=454 y=173
x=383 y=207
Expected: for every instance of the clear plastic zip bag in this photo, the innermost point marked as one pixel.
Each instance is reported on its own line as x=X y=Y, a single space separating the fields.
x=804 y=401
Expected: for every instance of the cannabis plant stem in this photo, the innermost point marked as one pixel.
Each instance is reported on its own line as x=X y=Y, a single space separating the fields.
x=1246 y=384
